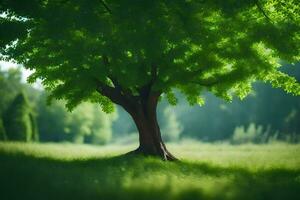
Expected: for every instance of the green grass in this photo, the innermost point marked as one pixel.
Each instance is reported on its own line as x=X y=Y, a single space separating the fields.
x=206 y=171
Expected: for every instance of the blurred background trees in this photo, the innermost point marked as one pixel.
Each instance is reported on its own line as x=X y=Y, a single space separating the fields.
x=19 y=120
x=266 y=115
x=86 y=124
x=172 y=128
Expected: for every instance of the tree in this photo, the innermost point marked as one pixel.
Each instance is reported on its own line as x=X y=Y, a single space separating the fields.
x=19 y=121
x=132 y=52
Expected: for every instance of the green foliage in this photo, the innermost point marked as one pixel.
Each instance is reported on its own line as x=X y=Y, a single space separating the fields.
x=270 y=108
x=170 y=96
x=282 y=80
x=205 y=172
x=90 y=124
x=51 y=120
x=18 y=120
x=9 y=87
x=219 y=46
x=102 y=127
x=86 y=123
x=79 y=122
x=14 y=29
x=253 y=134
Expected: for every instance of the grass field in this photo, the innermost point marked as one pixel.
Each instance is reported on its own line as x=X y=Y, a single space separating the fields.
x=206 y=171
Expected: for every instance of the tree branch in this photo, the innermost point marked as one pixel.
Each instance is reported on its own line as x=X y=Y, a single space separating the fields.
x=154 y=73
x=113 y=94
x=106 y=64
x=106 y=6
x=124 y=97
x=262 y=10
x=126 y=101
x=116 y=83
x=146 y=89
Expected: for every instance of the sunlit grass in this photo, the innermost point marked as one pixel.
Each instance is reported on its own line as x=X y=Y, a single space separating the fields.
x=206 y=171
x=64 y=151
x=249 y=156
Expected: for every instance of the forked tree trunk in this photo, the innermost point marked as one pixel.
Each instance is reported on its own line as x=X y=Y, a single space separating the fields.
x=145 y=118
x=142 y=109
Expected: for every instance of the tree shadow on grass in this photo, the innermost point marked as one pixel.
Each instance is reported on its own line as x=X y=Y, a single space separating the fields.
x=29 y=177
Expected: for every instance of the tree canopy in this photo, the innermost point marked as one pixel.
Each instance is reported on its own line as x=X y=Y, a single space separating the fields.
x=78 y=47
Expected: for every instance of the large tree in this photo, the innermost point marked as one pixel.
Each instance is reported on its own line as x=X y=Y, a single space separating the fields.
x=131 y=52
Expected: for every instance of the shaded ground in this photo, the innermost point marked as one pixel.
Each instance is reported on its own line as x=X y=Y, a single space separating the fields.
x=37 y=175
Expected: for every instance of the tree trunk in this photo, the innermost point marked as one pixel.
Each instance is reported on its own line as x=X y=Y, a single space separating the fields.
x=142 y=109
x=145 y=118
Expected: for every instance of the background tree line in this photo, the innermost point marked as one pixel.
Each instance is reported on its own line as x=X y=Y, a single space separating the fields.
x=26 y=115
x=267 y=114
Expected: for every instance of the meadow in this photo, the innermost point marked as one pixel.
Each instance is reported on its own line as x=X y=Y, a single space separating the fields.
x=205 y=171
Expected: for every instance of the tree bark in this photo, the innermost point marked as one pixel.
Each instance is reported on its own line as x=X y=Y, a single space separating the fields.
x=145 y=118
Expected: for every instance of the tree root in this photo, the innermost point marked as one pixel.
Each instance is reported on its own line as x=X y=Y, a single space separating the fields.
x=164 y=154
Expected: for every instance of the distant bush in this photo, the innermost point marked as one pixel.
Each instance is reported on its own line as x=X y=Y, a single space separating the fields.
x=19 y=121
x=101 y=126
x=290 y=137
x=85 y=124
x=258 y=134
x=253 y=134
x=172 y=127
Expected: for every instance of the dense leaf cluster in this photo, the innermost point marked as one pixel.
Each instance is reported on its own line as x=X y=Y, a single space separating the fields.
x=194 y=46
